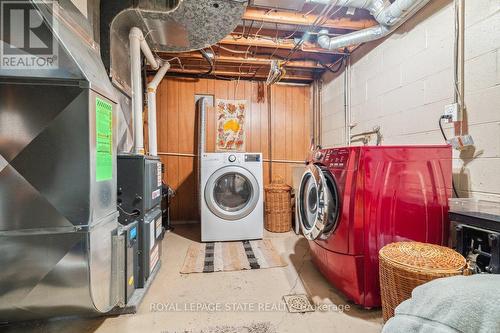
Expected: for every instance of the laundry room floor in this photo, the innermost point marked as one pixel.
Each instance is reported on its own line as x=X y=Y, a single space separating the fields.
x=170 y=304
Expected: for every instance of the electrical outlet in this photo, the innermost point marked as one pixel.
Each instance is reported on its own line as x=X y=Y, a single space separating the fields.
x=453 y=112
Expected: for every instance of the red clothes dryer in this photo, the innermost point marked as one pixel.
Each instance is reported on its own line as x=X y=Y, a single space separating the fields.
x=353 y=201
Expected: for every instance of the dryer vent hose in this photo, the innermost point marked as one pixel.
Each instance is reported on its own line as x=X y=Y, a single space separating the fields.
x=201 y=111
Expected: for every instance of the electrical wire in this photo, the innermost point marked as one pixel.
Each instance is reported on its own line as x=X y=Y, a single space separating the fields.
x=249 y=29
x=174 y=58
x=299 y=271
x=135 y=213
x=231 y=50
x=325 y=14
x=446 y=139
x=243 y=30
x=215 y=56
x=322 y=17
x=441 y=126
x=210 y=63
x=309 y=12
x=248 y=49
x=339 y=66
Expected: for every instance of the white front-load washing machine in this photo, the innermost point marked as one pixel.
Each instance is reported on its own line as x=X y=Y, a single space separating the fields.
x=231 y=196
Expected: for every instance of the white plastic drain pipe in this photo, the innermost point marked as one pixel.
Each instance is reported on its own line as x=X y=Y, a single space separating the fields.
x=138 y=43
x=152 y=86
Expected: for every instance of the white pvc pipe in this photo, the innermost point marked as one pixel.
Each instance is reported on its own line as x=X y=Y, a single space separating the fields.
x=152 y=86
x=347 y=101
x=136 y=33
x=138 y=43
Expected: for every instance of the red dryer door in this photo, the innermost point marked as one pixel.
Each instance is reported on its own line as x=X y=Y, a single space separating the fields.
x=318 y=203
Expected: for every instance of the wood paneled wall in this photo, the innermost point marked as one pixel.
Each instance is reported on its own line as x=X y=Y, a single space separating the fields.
x=178 y=131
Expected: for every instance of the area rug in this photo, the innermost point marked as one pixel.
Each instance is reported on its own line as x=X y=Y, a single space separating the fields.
x=261 y=327
x=231 y=256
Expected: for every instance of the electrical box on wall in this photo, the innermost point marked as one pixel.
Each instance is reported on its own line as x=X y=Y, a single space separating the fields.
x=453 y=112
x=461 y=142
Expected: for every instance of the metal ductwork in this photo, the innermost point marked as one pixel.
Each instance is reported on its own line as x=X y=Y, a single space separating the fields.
x=389 y=16
x=168 y=26
x=57 y=172
x=201 y=108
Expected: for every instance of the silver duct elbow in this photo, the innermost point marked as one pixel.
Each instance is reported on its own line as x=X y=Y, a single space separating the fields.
x=389 y=16
x=399 y=11
x=357 y=37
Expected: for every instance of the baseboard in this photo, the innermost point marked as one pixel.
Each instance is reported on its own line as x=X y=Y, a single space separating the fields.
x=184 y=222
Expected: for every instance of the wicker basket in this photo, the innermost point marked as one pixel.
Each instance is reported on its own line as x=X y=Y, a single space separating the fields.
x=278 y=206
x=406 y=265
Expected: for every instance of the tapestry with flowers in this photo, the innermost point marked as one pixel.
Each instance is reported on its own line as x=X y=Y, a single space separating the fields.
x=231 y=116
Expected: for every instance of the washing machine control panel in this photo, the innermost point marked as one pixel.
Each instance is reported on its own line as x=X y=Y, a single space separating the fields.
x=252 y=157
x=231 y=158
x=336 y=158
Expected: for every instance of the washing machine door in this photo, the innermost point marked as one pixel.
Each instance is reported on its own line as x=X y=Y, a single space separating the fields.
x=318 y=203
x=232 y=193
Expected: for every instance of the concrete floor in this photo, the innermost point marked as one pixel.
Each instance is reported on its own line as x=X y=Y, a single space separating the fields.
x=170 y=304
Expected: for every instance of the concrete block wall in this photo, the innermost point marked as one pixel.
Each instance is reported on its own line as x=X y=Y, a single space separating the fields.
x=403 y=82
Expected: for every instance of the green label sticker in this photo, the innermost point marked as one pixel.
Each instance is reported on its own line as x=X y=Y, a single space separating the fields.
x=104 y=139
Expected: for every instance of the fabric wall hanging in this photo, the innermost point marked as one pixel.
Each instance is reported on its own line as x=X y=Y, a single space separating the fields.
x=231 y=117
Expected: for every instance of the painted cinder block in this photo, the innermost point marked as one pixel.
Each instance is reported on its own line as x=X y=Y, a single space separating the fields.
x=439 y=86
x=482 y=72
x=403 y=83
x=483 y=36
x=483 y=106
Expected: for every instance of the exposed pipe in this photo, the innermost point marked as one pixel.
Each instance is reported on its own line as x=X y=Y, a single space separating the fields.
x=347 y=101
x=152 y=86
x=320 y=112
x=201 y=108
x=270 y=130
x=138 y=44
x=353 y=38
x=389 y=17
x=316 y=101
x=136 y=34
x=263 y=160
x=459 y=59
x=376 y=130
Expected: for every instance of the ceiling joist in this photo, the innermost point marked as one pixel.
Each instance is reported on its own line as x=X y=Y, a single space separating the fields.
x=272 y=34
x=292 y=18
x=243 y=74
x=223 y=59
x=273 y=44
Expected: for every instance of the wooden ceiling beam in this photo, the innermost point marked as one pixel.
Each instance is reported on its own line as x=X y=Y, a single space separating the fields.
x=268 y=43
x=292 y=18
x=261 y=75
x=305 y=64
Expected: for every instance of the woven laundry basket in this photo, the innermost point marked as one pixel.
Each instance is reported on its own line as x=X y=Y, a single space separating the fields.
x=406 y=265
x=278 y=206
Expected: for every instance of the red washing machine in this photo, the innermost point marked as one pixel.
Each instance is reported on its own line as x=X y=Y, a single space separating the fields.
x=353 y=201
